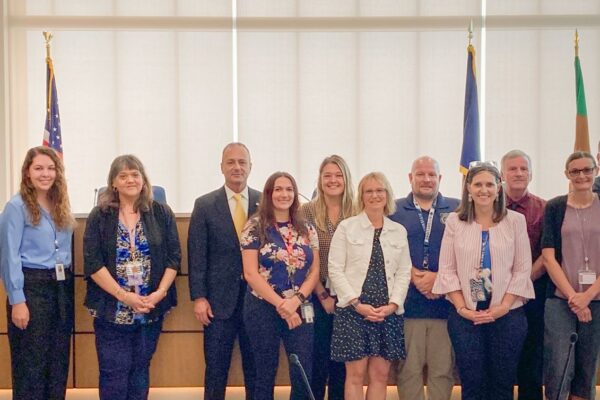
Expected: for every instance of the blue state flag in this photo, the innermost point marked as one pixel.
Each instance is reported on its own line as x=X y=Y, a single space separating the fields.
x=470 y=147
x=52 y=134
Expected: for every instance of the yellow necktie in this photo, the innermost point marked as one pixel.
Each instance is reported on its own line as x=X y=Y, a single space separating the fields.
x=239 y=215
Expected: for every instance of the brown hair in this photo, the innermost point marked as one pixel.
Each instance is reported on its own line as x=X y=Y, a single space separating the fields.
x=58 y=195
x=266 y=215
x=466 y=210
x=110 y=197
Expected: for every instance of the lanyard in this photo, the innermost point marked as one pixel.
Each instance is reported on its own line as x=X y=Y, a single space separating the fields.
x=51 y=223
x=586 y=259
x=427 y=229
x=485 y=239
x=289 y=247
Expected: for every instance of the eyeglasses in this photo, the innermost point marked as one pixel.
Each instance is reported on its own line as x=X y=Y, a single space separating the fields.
x=574 y=173
x=371 y=192
x=475 y=164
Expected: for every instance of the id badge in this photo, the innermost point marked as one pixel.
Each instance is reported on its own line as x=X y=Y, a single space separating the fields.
x=477 y=290
x=587 y=277
x=134 y=274
x=59 y=269
x=308 y=312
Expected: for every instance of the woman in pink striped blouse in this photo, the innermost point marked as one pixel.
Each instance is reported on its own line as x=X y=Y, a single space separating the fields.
x=484 y=269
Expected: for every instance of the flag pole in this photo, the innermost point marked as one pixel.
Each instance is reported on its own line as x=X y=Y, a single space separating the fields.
x=470 y=29
x=48 y=38
x=576 y=43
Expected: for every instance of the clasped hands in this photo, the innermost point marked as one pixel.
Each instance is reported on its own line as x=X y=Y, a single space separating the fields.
x=142 y=304
x=485 y=316
x=579 y=305
x=376 y=314
x=423 y=281
x=287 y=309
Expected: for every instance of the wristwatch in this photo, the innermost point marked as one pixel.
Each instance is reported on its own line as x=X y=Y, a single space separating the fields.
x=300 y=296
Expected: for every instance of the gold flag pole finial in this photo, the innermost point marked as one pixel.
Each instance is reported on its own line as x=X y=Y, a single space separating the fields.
x=576 y=43
x=470 y=31
x=48 y=37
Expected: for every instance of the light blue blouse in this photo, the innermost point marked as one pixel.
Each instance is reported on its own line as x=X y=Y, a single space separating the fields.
x=25 y=245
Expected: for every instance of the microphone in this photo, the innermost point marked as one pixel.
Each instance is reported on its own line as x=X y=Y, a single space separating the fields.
x=574 y=337
x=572 y=340
x=293 y=358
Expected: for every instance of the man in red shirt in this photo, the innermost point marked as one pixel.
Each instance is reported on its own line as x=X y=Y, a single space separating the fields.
x=516 y=174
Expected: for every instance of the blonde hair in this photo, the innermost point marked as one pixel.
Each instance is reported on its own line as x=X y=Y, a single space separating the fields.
x=347 y=208
x=58 y=195
x=390 y=204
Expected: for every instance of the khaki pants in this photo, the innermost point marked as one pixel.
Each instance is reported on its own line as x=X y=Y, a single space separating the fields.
x=427 y=344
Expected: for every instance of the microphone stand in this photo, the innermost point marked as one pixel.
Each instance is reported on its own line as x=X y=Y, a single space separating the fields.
x=294 y=360
x=563 y=381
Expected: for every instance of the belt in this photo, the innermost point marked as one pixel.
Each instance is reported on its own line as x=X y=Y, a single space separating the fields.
x=50 y=274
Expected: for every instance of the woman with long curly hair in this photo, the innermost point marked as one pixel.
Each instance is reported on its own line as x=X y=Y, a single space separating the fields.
x=35 y=264
x=281 y=265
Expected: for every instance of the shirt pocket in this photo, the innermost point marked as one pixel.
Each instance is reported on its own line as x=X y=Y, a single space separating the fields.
x=356 y=250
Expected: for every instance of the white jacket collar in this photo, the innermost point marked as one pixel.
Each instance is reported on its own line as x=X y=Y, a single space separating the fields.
x=388 y=224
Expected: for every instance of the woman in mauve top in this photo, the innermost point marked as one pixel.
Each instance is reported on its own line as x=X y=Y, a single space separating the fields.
x=571 y=250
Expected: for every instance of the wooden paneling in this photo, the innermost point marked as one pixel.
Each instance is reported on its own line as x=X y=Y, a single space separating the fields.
x=181 y=318
x=3 y=300
x=78 y=245
x=183 y=223
x=5 y=380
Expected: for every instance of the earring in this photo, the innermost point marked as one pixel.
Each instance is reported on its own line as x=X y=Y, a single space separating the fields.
x=114 y=188
x=470 y=198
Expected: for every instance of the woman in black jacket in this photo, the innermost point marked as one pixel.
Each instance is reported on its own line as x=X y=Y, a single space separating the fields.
x=132 y=255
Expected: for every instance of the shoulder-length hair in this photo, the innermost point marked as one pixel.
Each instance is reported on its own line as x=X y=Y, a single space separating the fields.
x=466 y=209
x=347 y=206
x=110 y=197
x=390 y=204
x=58 y=195
x=266 y=214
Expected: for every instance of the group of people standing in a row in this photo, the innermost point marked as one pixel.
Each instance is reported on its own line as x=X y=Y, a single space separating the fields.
x=495 y=282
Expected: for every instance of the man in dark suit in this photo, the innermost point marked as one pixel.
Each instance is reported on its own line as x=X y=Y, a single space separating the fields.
x=215 y=265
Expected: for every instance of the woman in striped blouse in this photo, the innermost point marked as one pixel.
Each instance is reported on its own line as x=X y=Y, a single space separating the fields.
x=484 y=269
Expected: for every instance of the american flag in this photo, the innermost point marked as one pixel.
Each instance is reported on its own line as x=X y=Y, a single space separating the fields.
x=52 y=135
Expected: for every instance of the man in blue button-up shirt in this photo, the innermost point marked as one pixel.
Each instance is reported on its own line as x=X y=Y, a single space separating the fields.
x=423 y=213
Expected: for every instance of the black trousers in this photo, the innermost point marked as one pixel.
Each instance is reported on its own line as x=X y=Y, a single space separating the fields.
x=219 y=337
x=40 y=354
x=487 y=355
x=267 y=330
x=529 y=373
x=325 y=371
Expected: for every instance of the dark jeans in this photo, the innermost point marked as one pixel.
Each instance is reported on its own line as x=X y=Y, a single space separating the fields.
x=529 y=372
x=40 y=353
x=266 y=330
x=560 y=323
x=219 y=337
x=124 y=355
x=325 y=370
x=487 y=355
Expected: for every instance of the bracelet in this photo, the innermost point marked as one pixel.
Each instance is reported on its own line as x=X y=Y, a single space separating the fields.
x=460 y=309
x=162 y=289
x=355 y=303
x=324 y=295
x=120 y=294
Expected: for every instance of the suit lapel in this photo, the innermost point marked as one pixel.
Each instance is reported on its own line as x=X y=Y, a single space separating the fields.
x=222 y=207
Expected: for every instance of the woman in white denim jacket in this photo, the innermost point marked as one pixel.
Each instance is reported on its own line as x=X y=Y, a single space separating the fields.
x=369 y=268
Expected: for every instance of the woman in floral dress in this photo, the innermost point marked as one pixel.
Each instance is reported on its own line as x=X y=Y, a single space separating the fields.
x=281 y=265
